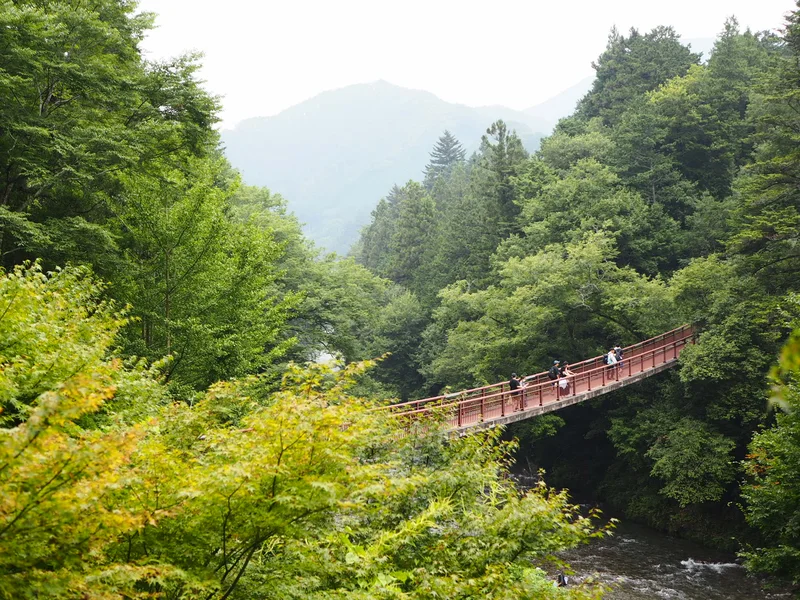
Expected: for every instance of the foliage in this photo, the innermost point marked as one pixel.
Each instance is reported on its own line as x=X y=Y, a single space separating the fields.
x=695 y=462
x=412 y=237
x=305 y=492
x=501 y=155
x=398 y=331
x=545 y=303
x=771 y=490
x=63 y=487
x=669 y=197
x=631 y=66
x=187 y=262
x=80 y=107
x=589 y=196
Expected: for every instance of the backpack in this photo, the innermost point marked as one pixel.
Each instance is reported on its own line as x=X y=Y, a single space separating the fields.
x=605 y=359
x=553 y=372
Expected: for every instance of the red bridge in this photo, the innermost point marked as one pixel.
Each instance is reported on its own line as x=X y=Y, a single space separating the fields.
x=498 y=404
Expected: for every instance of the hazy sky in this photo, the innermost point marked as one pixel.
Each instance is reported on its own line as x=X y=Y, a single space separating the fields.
x=263 y=56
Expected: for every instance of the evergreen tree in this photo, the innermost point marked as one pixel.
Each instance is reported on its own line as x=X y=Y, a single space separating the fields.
x=631 y=66
x=465 y=238
x=412 y=240
x=768 y=221
x=501 y=155
x=447 y=153
x=374 y=250
x=395 y=195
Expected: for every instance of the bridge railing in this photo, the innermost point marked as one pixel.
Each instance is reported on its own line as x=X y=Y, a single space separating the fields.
x=496 y=401
x=542 y=378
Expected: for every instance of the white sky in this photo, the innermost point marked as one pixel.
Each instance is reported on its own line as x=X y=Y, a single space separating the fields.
x=264 y=56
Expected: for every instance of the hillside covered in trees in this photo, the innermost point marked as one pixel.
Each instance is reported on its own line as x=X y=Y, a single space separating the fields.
x=668 y=197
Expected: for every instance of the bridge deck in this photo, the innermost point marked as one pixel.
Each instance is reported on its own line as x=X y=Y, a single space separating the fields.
x=496 y=404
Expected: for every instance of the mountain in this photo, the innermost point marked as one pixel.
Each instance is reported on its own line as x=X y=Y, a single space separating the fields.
x=560 y=105
x=335 y=155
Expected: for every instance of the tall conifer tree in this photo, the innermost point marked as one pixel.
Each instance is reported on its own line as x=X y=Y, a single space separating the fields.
x=447 y=153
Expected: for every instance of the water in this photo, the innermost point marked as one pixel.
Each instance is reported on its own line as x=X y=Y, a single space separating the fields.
x=641 y=564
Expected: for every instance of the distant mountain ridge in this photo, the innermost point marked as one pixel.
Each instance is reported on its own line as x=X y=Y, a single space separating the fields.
x=335 y=155
x=562 y=104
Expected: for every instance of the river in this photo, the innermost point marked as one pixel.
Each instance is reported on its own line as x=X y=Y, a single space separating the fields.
x=641 y=564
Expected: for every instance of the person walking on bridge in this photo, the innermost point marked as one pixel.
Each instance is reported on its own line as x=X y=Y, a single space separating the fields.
x=554 y=373
x=513 y=385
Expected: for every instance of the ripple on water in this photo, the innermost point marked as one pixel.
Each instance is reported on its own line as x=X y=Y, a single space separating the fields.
x=698 y=565
x=640 y=564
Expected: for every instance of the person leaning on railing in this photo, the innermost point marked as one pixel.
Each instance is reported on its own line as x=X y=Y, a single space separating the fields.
x=565 y=375
x=618 y=354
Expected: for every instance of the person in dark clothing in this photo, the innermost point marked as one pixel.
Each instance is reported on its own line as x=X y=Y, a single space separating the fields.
x=555 y=371
x=514 y=385
x=618 y=354
x=561 y=579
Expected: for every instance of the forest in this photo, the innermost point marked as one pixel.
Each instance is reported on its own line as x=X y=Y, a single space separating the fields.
x=169 y=427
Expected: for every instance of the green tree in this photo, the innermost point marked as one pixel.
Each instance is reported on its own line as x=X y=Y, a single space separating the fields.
x=203 y=287
x=771 y=490
x=374 y=251
x=63 y=484
x=413 y=237
x=567 y=298
x=562 y=150
x=591 y=197
x=446 y=154
x=398 y=331
x=80 y=108
x=501 y=155
x=694 y=129
x=465 y=241
x=631 y=66
x=767 y=222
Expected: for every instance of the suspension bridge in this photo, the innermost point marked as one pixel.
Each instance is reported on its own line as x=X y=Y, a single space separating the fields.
x=497 y=404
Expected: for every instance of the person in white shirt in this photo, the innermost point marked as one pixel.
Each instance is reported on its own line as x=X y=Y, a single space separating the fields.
x=611 y=360
x=565 y=377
